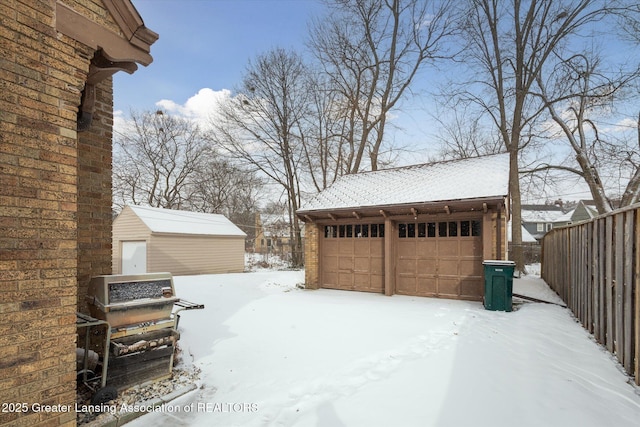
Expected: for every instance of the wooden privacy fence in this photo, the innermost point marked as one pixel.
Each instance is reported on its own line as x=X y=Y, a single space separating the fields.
x=595 y=268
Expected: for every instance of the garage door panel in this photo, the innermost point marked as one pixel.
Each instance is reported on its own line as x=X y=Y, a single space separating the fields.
x=406 y=248
x=330 y=247
x=406 y=285
x=345 y=263
x=360 y=280
x=407 y=266
x=427 y=266
x=377 y=283
x=448 y=267
x=470 y=267
x=330 y=279
x=427 y=286
x=345 y=280
x=330 y=263
x=470 y=248
x=448 y=286
x=361 y=246
x=471 y=288
x=376 y=247
x=345 y=247
x=448 y=248
x=426 y=248
x=377 y=266
x=362 y=264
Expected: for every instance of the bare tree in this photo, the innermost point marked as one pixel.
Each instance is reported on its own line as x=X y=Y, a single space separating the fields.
x=155 y=158
x=261 y=126
x=220 y=186
x=509 y=43
x=323 y=141
x=574 y=93
x=373 y=50
x=463 y=135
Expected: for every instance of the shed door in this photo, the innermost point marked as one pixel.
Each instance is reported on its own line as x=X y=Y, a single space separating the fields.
x=353 y=257
x=134 y=257
x=440 y=258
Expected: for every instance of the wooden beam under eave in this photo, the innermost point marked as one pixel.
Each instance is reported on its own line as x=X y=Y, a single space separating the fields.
x=332 y=216
x=447 y=210
x=357 y=215
x=383 y=213
x=414 y=211
x=308 y=218
x=484 y=208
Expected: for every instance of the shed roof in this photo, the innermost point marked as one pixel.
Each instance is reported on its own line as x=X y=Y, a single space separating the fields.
x=161 y=220
x=472 y=178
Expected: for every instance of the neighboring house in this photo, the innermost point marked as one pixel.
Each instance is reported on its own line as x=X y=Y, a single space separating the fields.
x=272 y=234
x=56 y=119
x=584 y=211
x=539 y=219
x=151 y=240
x=531 y=249
x=418 y=230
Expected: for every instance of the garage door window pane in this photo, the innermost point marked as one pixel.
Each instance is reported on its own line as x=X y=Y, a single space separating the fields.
x=453 y=229
x=374 y=230
x=402 y=230
x=442 y=229
x=475 y=228
x=431 y=229
x=422 y=230
x=465 y=228
x=380 y=230
x=342 y=231
x=349 y=230
x=411 y=230
x=330 y=231
x=361 y=230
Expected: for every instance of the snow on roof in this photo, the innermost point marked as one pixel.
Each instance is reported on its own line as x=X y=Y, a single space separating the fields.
x=479 y=177
x=526 y=236
x=161 y=220
x=564 y=217
x=536 y=215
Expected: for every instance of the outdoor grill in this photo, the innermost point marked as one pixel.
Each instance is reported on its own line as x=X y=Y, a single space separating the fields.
x=139 y=310
x=131 y=300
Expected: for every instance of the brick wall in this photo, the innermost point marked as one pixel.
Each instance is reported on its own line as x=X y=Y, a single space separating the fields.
x=311 y=254
x=94 y=193
x=42 y=74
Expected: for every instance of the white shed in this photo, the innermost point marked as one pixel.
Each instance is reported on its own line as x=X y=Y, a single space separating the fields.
x=148 y=240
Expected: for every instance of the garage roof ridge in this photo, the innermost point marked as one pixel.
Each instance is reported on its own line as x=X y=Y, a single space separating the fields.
x=463 y=179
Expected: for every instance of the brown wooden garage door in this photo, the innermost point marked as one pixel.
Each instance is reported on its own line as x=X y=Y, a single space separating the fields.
x=353 y=257
x=440 y=258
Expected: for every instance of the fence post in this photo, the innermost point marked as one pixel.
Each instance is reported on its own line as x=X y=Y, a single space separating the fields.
x=636 y=285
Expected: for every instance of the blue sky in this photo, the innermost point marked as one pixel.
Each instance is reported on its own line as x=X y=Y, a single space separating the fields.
x=207 y=44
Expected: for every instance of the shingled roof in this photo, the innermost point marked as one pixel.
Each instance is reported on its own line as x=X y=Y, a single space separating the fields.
x=483 y=177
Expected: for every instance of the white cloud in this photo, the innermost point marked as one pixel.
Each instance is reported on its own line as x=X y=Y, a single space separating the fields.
x=200 y=107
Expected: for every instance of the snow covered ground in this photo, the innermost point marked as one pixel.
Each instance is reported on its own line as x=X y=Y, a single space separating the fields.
x=275 y=355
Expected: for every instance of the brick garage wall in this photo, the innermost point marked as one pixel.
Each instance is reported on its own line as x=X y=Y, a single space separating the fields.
x=311 y=255
x=42 y=74
x=94 y=193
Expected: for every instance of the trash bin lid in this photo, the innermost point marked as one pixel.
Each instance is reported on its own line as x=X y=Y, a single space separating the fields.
x=498 y=262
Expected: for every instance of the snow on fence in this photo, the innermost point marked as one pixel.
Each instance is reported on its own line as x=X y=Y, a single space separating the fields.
x=595 y=268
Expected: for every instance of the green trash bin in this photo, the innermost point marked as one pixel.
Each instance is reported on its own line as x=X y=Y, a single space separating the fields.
x=498 y=285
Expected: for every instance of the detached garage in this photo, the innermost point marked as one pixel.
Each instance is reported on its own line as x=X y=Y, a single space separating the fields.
x=419 y=230
x=149 y=240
